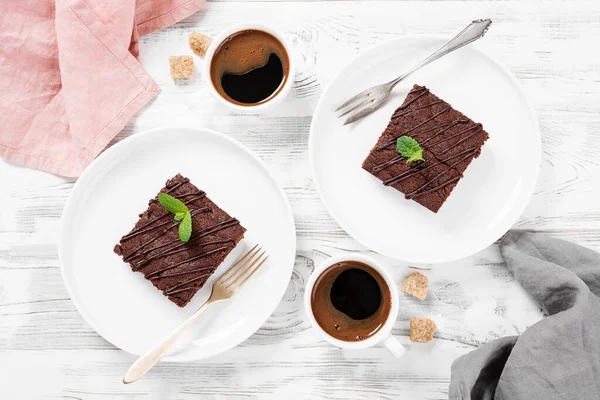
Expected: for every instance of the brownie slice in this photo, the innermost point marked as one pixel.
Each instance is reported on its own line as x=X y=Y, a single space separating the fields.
x=450 y=141
x=176 y=268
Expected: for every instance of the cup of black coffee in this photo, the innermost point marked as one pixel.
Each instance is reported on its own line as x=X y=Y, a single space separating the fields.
x=352 y=301
x=249 y=68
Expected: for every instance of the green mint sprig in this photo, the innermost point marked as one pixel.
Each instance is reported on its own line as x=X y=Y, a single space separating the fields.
x=181 y=213
x=409 y=148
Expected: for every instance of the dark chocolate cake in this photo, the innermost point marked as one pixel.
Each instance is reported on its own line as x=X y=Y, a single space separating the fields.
x=450 y=141
x=179 y=269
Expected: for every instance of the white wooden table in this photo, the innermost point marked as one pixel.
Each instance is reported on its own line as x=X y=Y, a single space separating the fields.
x=48 y=351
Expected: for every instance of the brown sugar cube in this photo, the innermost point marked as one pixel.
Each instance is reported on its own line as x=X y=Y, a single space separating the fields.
x=181 y=66
x=416 y=285
x=421 y=329
x=199 y=43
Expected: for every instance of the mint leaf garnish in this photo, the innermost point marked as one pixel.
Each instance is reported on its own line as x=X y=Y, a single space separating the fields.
x=171 y=204
x=409 y=148
x=181 y=214
x=185 y=228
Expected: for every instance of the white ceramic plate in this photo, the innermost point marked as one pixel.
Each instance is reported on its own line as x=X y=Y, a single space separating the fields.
x=496 y=186
x=121 y=305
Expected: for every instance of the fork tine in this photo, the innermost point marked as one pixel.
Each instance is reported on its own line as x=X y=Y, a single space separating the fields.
x=239 y=263
x=360 y=114
x=355 y=106
x=358 y=97
x=240 y=281
x=240 y=268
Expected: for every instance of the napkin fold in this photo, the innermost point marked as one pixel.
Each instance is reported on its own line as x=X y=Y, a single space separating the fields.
x=556 y=358
x=69 y=75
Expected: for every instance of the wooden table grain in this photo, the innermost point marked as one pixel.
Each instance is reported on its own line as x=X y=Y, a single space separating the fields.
x=48 y=351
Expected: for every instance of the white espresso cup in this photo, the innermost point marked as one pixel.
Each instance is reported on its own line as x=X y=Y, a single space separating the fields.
x=225 y=35
x=383 y=335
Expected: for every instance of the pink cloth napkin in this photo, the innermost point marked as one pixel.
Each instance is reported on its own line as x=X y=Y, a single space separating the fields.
x=69 y=76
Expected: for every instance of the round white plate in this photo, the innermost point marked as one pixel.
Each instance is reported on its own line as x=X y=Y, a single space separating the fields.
x=496 y=186
x=121 y=305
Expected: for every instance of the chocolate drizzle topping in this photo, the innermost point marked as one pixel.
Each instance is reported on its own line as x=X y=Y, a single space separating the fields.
x=187 y=260
x=386 y=144
x=189 y=197
x=413 y=195
x=139 y=252
x=476 y=128
x=181 y=247
x=419 y=191
x=386 y=164
x=171 y=187
x=138 y=230
x=413 y=171
x=438 y=129
x=178 y=288
x=406 y=112
x=446 y=127
x=153 y=248
x=423 y=91
x=173 y=224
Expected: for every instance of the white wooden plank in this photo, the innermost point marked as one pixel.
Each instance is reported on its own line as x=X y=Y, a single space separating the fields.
x=549 y=47
x=295 y=369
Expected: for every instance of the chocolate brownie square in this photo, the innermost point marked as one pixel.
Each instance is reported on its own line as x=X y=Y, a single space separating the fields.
x=179 y=269
x=450 y=141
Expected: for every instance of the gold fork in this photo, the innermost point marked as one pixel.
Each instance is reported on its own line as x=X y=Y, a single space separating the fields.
x=223 y=289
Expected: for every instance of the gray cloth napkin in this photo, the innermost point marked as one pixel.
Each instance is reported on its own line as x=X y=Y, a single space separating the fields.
x=556 y=358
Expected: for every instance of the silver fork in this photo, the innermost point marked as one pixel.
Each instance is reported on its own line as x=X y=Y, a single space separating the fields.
x=372 y=98
x=223 y=289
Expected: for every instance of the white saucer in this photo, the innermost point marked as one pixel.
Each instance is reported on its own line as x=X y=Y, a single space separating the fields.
x=121 y=305
x=496 y=186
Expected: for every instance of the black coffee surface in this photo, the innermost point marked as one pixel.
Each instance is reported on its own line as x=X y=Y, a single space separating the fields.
x=257 y=85
x=351 y=301
x=356 y=293
x=250 y=67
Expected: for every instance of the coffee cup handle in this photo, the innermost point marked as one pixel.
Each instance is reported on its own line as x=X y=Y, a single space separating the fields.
x=394 y=346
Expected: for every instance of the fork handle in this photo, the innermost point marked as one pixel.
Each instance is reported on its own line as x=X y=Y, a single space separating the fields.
x=149 y=360
x=471 y=33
